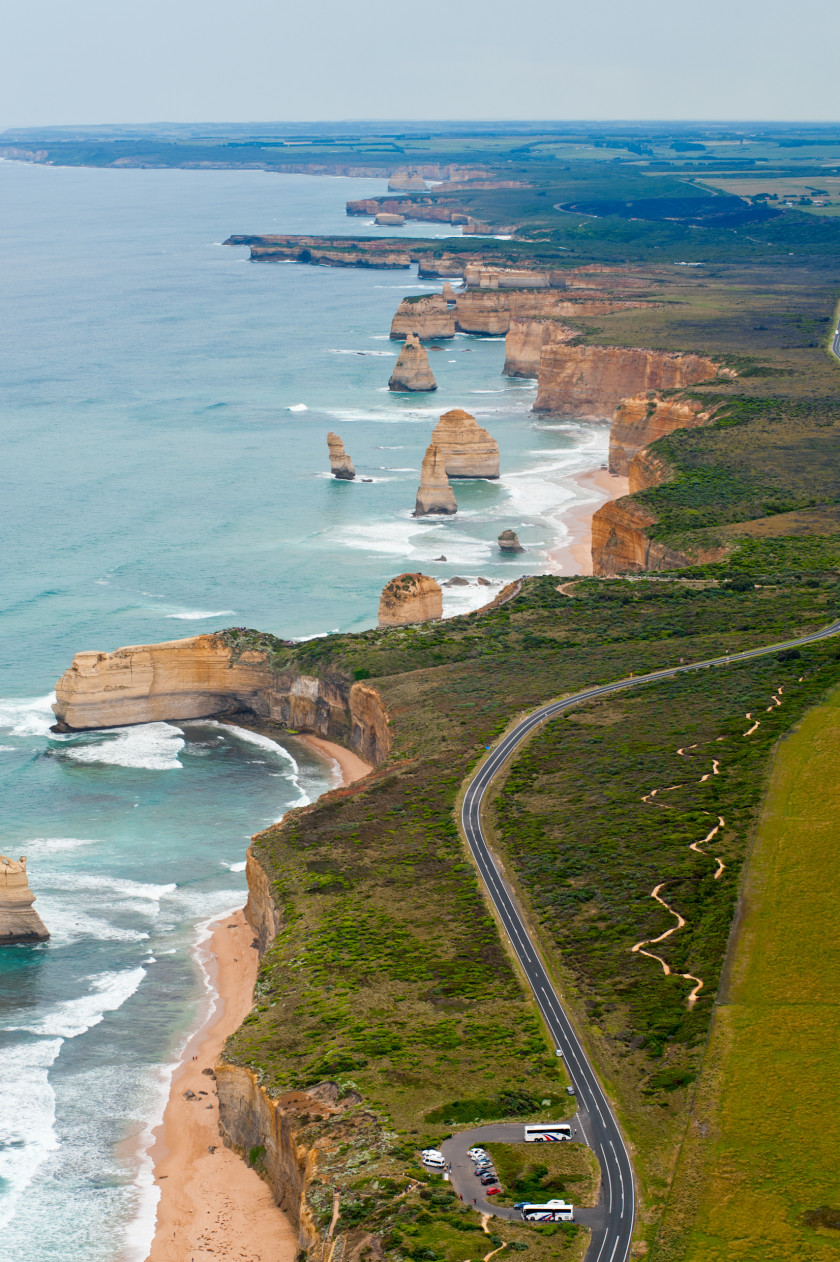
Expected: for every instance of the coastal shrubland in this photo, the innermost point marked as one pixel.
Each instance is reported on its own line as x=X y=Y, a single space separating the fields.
x=388 y=975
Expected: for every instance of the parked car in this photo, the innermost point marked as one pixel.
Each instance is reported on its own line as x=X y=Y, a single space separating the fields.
x=486 y=1179
x=570 y=1091
x=477 y=1152
x=494 y=1191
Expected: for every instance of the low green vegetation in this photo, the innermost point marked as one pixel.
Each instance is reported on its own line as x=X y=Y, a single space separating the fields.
x=541 y=1172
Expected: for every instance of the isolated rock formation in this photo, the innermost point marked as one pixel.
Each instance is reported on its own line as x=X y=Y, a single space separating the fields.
x=468 y=450
x=412 y=371
x=388 y=219
x=406 y=181
x=341 y=466
x=642 y=419
x=588 y=382
x=509 y=541
x=209 y=676
x=448 y=292
x=429 y=316
x=434 y=494
x=525 y=341
x=410 y=598
x=19 y=922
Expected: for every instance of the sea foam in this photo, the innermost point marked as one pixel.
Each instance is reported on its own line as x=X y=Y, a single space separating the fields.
x=154 y=746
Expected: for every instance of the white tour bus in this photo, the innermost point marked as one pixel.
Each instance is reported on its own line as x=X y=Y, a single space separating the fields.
x=551 y=1212
x=434 y=1159
x=547 y=1133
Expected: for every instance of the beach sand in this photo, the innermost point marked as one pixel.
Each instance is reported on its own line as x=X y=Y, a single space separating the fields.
x=574 y=555
x=212 y=1205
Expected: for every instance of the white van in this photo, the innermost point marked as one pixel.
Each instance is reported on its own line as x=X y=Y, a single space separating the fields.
x=434 y=1159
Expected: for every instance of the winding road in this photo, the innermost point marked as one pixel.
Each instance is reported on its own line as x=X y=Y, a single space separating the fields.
x=611 y=1221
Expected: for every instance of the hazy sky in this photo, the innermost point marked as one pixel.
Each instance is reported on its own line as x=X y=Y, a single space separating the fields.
x=98 y=61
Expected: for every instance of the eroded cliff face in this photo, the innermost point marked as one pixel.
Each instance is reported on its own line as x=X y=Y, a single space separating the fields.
x=588 y=382
x=204 y=677
x=620 y=544
x=643 y=418
x=431 y=316
x=250 y=1121
x=492 y=311
x=525 y=341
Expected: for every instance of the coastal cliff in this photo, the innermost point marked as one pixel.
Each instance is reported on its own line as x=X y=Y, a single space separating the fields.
x=525 y=341
x=429 y=316
x=641 y=419
x=620 y=544
x=209 y=676
x=492 y=311
x=588 y=382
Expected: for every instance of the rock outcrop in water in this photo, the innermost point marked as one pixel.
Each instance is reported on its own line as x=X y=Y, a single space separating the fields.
x=429 y=316
x=588 y=382
x=643 y=418
x=341 y=466
x=508 y=541
x=212 y=676
x=410 y=598
x=412 y=371
x=19 y=922
x=434 y=494
x=468 y=450
x=389 y=219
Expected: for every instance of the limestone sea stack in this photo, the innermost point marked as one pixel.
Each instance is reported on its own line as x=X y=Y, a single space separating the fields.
x=341 y=466
x=468 y=450
x=410 y=598
x=19 y=922
x=434 y=494
x=509 y=541
x=428 y=316
x=387 y=219
x=448 y=292
x=412 y=371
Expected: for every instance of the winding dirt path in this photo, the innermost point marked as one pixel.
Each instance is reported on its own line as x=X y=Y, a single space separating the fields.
x=697 y=847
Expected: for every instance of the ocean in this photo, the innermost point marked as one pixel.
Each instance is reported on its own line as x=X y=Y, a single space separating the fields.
x=164 y=406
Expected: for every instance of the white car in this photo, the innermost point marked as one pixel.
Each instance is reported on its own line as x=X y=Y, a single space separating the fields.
x=476 y=1153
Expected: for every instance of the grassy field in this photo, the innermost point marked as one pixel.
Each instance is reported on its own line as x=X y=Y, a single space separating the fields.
x=757 y=1181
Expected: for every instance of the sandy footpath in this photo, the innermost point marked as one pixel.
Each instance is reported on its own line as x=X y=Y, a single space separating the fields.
x=574 y=555
x=213 y=1207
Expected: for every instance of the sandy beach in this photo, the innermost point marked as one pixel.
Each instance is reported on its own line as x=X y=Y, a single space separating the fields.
x=574 y=555
x=212 y=1205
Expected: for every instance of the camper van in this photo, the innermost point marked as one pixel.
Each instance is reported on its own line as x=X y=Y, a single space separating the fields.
x=434 y=1159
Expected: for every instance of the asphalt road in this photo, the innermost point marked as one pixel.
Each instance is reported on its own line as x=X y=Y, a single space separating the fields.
x=612 y=1220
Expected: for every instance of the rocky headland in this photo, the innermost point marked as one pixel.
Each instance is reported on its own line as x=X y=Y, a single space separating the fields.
x=341 y=466
x=434 y=494
x=589 y=382
x=410 y=598
x=407 y=180
x=19 y=921
x=468 y=450
x=218 y=676
x=412 y=371
x=429 y=316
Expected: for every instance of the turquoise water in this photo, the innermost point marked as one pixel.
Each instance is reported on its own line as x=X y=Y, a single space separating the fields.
x=164 y=406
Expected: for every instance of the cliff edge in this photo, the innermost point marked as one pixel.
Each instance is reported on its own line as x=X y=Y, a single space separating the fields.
x=589 y=382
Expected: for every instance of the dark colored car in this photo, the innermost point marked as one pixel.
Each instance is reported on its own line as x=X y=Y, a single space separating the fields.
x=489 y=1178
